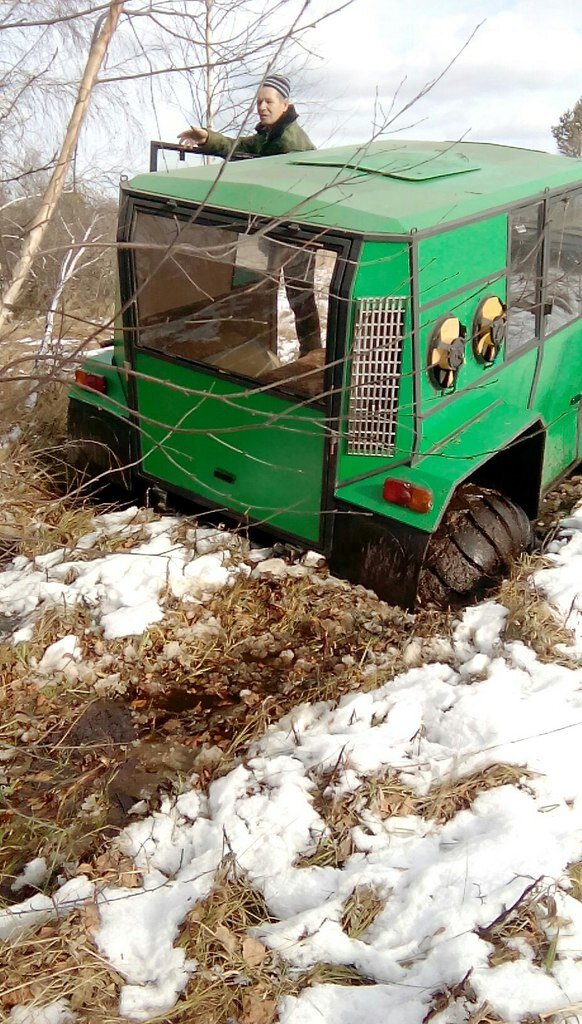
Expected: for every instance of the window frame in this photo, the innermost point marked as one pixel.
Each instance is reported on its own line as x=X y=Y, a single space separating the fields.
x=344 y=246
x=575 y=193
x=542 y=333
x=536 y=337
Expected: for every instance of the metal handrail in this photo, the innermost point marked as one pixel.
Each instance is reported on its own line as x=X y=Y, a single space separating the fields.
x=156 y=147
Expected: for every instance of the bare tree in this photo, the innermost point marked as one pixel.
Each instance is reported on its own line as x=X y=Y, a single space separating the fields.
x=207 y=50
x=104 y=31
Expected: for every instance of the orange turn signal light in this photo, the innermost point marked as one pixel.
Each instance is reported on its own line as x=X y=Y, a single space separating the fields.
x=94 y=381
x=411 y=496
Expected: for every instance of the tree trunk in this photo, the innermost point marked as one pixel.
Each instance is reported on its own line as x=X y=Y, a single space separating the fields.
x=208 y=120
x=33 y=240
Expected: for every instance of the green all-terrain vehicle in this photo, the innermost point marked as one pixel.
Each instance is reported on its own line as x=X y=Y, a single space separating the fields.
x=374 y=352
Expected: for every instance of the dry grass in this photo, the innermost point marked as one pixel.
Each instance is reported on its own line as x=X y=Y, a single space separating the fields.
x=35 y=514
x=461 y=998
x=38 y=516
x=530 y=919
x=59 y=961
x=385 y=796
x=445 y=801
x=575 y=876
x=531 y=618
x=332 y=974
x=361 y=910
x=237 y=977
x=483 y=1014
x=446 y=997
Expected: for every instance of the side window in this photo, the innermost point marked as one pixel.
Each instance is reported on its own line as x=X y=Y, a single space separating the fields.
x=243 y=303
x=524 y=277
x=564 y=274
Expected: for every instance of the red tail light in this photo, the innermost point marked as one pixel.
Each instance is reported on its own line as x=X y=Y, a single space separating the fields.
x=412 y=496
x=94 y=381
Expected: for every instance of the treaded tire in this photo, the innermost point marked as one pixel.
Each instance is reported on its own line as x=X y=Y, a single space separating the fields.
x=481 y=533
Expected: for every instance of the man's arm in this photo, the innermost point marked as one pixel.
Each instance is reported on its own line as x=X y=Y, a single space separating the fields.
x=210 y=143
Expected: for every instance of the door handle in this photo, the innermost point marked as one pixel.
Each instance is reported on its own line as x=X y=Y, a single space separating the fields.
x=223 y=474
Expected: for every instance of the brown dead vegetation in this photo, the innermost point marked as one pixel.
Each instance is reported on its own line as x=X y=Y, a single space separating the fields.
x=361 y=909
x=533 y=920
x=530 y=618
x=386 y=796
x=59 y=961
x=193 y=694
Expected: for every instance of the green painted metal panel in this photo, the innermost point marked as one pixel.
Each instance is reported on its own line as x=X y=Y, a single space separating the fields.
x=248 y=450
x=444 y=468
x=419 y=165
x=452 y=259
x=383 y=269
x=510 y=384
x=556 y=397
x=472 y=372
x=343 y=197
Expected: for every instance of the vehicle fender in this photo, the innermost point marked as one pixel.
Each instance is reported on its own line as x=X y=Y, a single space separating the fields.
x=456 y=458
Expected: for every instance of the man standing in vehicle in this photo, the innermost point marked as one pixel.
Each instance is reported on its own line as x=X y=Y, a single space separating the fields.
x=277 y=132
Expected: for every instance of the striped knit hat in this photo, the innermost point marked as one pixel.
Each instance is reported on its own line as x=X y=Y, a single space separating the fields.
x=278 y=82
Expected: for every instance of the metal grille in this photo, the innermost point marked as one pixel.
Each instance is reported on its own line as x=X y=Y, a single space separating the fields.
x=375 y=376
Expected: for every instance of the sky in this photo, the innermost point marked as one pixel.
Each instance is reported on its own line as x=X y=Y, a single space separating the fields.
x=516 y=70
x=470 y=702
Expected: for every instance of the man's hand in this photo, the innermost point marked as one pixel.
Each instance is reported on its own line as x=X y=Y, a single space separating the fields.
x=193 y=137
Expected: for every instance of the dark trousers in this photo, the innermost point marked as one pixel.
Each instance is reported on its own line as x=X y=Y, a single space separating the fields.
x=299 y=277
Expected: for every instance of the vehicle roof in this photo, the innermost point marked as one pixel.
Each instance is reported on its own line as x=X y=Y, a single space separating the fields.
x=389 y=187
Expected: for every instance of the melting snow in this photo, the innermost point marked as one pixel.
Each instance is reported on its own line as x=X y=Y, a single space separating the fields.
x=443 y=883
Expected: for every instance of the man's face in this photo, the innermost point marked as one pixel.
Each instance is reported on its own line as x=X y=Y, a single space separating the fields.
x=270 y=105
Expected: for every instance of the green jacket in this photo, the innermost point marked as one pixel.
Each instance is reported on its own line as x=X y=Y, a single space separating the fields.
x=285 y=136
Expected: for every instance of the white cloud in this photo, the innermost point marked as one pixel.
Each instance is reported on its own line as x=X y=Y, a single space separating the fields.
x=510 y=83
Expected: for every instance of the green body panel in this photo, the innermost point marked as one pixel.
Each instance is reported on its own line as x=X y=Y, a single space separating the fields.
x=105 y=364
x=118 y=331
x=383 y=269
x=271 y=446
x=443 y=469
x=454 y=259
x=467 y=262
x=304 y=188
x=557 y=394
x=509 y=384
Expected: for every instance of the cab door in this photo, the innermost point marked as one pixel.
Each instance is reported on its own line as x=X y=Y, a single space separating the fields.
x=557 y=390
x=230 y=410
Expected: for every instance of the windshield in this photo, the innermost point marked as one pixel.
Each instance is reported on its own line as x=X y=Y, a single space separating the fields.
x=244 y=303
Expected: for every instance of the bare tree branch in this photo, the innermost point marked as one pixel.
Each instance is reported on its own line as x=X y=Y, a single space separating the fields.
x=37 y=230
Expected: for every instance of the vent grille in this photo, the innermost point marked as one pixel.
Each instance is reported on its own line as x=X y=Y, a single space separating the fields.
x=375 y=376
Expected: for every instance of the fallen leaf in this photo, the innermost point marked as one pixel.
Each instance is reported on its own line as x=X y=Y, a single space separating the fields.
x=256 y=1009
x=91 y=918
x=227 y=938
x=253 y=951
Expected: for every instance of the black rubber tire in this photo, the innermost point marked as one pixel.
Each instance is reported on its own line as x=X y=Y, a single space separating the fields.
x=481 y=533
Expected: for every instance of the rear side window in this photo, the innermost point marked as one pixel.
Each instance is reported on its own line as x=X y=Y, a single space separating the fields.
x=564 y=274
x=243 y=303
x=524 y=277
